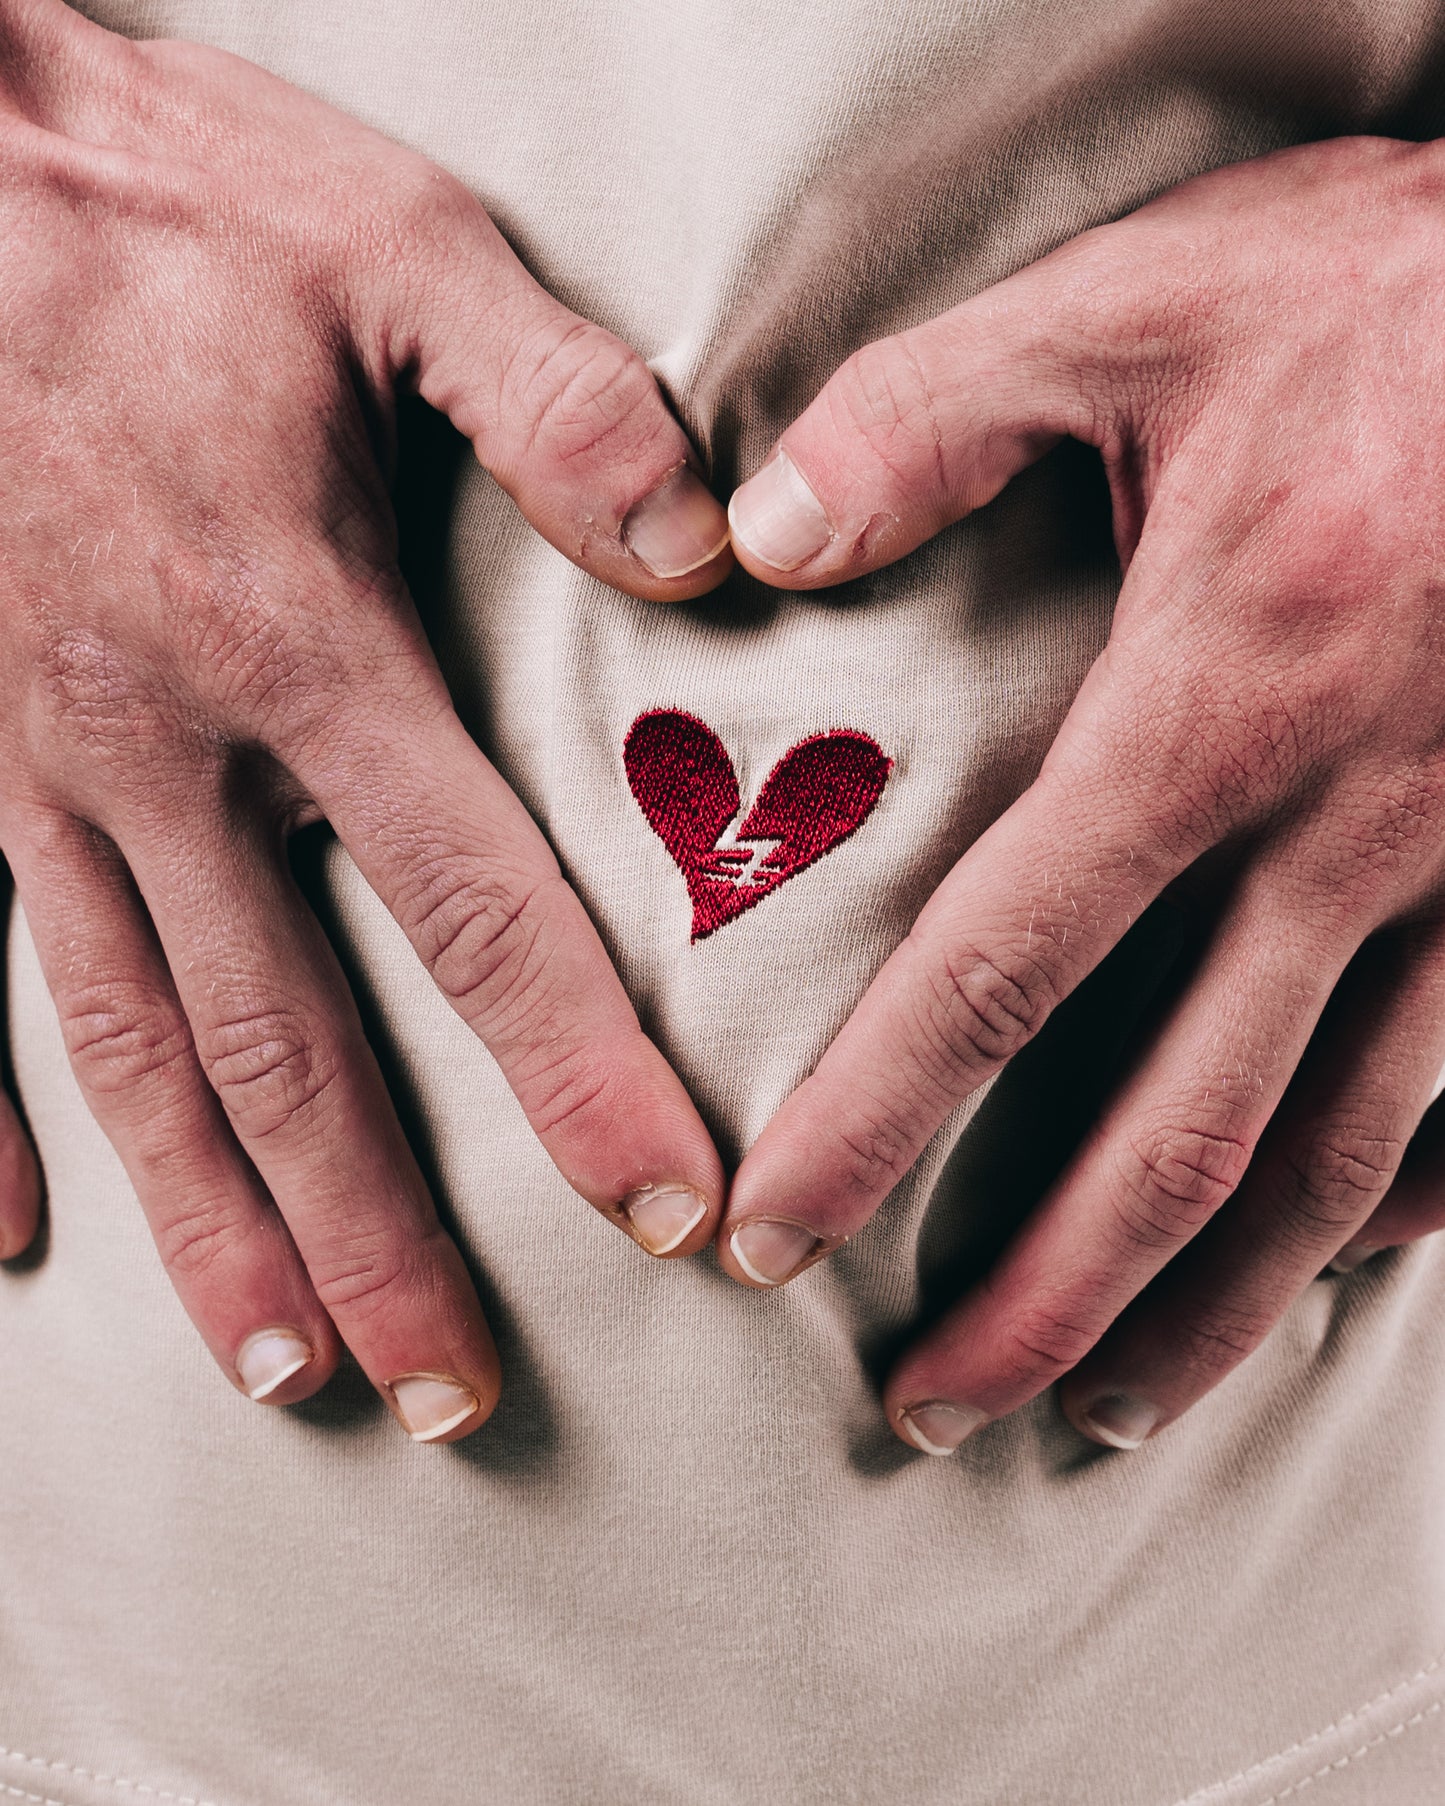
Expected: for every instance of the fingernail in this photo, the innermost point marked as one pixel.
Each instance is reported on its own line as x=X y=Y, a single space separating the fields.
x=1351 y=1257
x=678 y=528
x=430 y=1404
x=770 y=1252
x=937 y=1428
x=777 y=518
x=1121 y=1420
x=268 y=1358
x=663 y=1216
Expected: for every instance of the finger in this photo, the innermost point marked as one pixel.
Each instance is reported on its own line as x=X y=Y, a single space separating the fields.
x=1021 y=919
x=1144 y=778
x=1320 y=1171
x=455 y=857
x=566 y=417
x=1167 y=1153
x=223 y=1243
x=915 y=431
x=279 y=1039
x=20 y=1186
x=1414 y=1206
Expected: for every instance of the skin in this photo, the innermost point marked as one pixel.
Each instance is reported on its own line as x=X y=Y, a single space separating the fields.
x=210 y=644
x=1259 y=357
x=214 y=287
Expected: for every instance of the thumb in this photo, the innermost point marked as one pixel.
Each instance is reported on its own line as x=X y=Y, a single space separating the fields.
x=913 y=433
x=566 y=417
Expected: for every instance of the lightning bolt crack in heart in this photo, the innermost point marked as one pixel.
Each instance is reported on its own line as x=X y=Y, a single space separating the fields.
x=819 y=792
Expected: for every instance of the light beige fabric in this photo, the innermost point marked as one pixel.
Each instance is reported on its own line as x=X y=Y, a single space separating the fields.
x=686 y=1565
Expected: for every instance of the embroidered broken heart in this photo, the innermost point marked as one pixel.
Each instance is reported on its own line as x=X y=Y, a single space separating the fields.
x=816 y=795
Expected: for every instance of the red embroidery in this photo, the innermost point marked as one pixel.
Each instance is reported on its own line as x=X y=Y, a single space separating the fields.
x=816 y=795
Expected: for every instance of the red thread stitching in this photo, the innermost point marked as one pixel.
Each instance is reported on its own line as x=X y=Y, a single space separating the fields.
x=819 y=792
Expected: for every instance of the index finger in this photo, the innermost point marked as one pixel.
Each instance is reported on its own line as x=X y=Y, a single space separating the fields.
x=1022 y=918
x=462 y=867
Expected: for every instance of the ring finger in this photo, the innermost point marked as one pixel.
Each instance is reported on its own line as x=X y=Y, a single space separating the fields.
x=1324 y=1164
x=279 y=1039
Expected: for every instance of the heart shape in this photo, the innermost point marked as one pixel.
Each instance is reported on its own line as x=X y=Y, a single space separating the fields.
x=819 y=792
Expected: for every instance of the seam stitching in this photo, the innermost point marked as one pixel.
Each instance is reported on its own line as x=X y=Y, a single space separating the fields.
x=1295 y=1787
x=19 y=1793
x=1305 y=1743
x=90 y=1774
x=1340 y=1762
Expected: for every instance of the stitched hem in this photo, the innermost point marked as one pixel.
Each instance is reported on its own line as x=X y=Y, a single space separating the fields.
x=19 y=1793
x=91 y=1778
x=1349 y=1738
x=1332 y=1768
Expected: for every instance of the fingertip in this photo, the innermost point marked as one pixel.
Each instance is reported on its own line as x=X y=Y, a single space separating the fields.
x=670 y=1221
x=638 y=1152
x=767 y=1252
x=936 y=1426
x=1350 y=1257
x=577 y=430
x=678 y=533
x=280 y=1365
x=778 y=525
x=438 y=1407
x=1115 y=1419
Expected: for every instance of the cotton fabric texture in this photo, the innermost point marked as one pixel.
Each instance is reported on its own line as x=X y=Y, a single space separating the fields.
x=686 y=1564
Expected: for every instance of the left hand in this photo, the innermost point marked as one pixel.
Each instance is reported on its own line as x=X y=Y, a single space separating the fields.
x=1260 y=357
x=20 y=1188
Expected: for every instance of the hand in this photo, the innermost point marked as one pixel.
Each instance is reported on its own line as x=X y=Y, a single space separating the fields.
x=213 y=285
x=1259 y=356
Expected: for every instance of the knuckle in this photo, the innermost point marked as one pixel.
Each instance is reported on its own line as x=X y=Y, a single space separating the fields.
x=97 y=693
x=882 y=398
x=482 y=935
x=583 y=393
x=1218 y=754
x=1173 y=1182
x=1384 y=831
x=122 y=1033
x=982 y=1009
x=375 y=1275
x=565 y=1092
x=194 y=1240
x=259 y=646
x=1037 y=1344
x=1342 y=1175
x=239 y=645
x=267 y=1069
x=1210 y=1339
x=878 y=1153
x=1241 y=766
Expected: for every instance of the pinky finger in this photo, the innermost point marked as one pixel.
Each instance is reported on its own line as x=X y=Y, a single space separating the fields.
x=19 y=1184
x=225 y=1247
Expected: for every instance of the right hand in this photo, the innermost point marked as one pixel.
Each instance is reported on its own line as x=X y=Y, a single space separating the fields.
x=213 y=287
